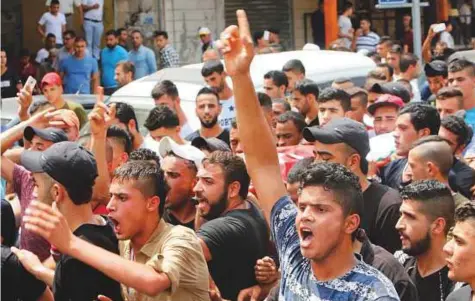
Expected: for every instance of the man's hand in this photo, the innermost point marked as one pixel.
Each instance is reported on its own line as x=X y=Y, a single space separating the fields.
x=254 y=293
x=266 y=270
x=30 y=261
x=236 y=45
x=50 y=224
x=359 y=32
x=25 y=99
x=101 y=116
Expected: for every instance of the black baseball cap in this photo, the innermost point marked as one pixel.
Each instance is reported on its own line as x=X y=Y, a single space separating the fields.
x=211 y=144
x=342 y=130
x=69 y=164
x=51 y=134
x=436 y=68
x=393 y=89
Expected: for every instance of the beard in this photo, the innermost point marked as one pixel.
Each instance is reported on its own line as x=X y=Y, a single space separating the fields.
x=220 y=88
x=419 y=247
x=217 y=209
x=110 y=46
x=209 y=124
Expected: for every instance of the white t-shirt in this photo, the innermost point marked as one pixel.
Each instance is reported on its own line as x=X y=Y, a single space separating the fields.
x=447 y=38
x=415 y=91
x=66 y=6
x=465 y=14
x=94 y=14
x=228 y=113
x=53 y=24
x=42 y=55
x=381 y=147
x=344 y=23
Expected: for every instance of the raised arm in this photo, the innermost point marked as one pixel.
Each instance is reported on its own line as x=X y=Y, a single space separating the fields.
x=426 y=46
x=258 y=144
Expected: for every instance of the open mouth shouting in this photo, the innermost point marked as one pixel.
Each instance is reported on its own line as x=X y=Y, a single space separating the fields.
x=306 y=236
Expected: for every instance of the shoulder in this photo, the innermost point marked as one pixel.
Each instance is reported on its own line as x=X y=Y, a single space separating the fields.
x=375 y=282
x=192 y=136
x=404 y=259
x=461 y=294
x=390 y=196
x=180 y=235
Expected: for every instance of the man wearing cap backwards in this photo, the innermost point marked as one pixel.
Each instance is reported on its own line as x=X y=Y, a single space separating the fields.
x=207 y=42
x=210 y=145
x=346 y=141
x=51 y=86
x=180 y=164
x=436 y=73
x=235 y=235
x=37 y=132
x=393 y=88
x=64 y=176
x=313 y=238
x=208 y=109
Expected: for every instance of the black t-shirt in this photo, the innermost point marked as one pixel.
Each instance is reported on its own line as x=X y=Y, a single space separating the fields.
x=314 y=122
x=381 y=213
x=17 y=283
x=74 y=280
x=387 y=264
x=462 y=294
x=224 y=136
x=171 y=219
x=8 y=83
x=462 y=178
x=429 y=288
x=236 y=241
x=391 y=174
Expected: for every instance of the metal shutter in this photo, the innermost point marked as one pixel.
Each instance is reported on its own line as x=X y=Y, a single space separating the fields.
x=262 y=15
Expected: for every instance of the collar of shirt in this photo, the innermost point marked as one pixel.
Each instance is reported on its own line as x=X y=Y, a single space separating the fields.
x=148 y=249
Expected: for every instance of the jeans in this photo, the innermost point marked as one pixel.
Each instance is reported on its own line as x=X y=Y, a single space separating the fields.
x=93 y=31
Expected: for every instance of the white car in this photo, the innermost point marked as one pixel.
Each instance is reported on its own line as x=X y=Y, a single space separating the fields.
x=321 y=66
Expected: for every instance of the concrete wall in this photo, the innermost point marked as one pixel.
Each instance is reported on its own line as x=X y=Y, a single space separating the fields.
x=182 y=18
x=301 y=7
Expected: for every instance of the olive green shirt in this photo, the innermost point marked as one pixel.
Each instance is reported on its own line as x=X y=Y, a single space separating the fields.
x=78 y=109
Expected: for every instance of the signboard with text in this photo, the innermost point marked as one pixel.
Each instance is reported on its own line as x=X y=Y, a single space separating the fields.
x=392 y=2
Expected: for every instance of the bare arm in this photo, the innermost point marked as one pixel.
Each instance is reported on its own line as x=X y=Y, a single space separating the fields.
x=47 y=295
x=258 y=144
x=95 y=81
x=426 y=46
x=41 y=30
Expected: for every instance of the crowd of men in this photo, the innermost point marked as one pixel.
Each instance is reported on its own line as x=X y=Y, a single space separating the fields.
x=379 y=207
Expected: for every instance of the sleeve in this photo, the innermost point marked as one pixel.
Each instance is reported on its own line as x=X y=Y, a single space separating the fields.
x=387 y=235
x=221 y=235
x=38 y=58
x=181 y=259
x=463 y=180
x=13 y=268
x=151 y=62
x=42 y=20
x=81 y=114
x=284 y=232
x=63 y=19
x=406 y=290
x=95 y=67
x=20 y=178
x=124 y=56
x=62 y=65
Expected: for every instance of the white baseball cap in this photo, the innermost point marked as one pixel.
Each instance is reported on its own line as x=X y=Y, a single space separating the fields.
x=204 y=31
x=310 y=46
x=185 y=151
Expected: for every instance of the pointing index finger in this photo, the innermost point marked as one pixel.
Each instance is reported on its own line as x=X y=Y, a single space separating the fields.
x=243 y=24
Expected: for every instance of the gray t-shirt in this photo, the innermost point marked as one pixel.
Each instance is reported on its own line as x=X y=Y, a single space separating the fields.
x=344 y=23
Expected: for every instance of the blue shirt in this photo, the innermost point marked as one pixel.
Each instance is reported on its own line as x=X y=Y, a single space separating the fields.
x=109 y=59
x=361 y=283
x=470 y=120
x=144 y=61
x=78 y=73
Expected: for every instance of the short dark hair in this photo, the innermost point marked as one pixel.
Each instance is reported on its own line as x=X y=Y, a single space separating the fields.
x=257 y=35
x=462 y=64
x=50 y=35
x=54 y=2
x=148 y=177
x=294 y=66
x=165 y=87
x=24 y=52
x=376 y=74
x=278 y=78
x=70 y=32
x=365 y=18
x=111 y=32
x=396 y=48
x=286 y=105
x=386 y=39
x=436 y=150
x=211 y=66
x=296 y=172
x=161 y=116
x=37 y=105
x=234 y=169
x=407 y=60
x=80 y=39
x=450 y=92
x=340 y=180
x=264 y=101
x=307 y=86
x=465 y=211
x=120 y=30
x=347 y=5
x=121 y=136
x=436 y=199
x=136 y=31
x=158 y=33
x=144 y=154
x=207 y=90
x=295 y=117
x=361 y=94
x=422 y=116
x=387 y=66
x=125 y=112
x=127 y=67
x=339 y=95
x=458 y=127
